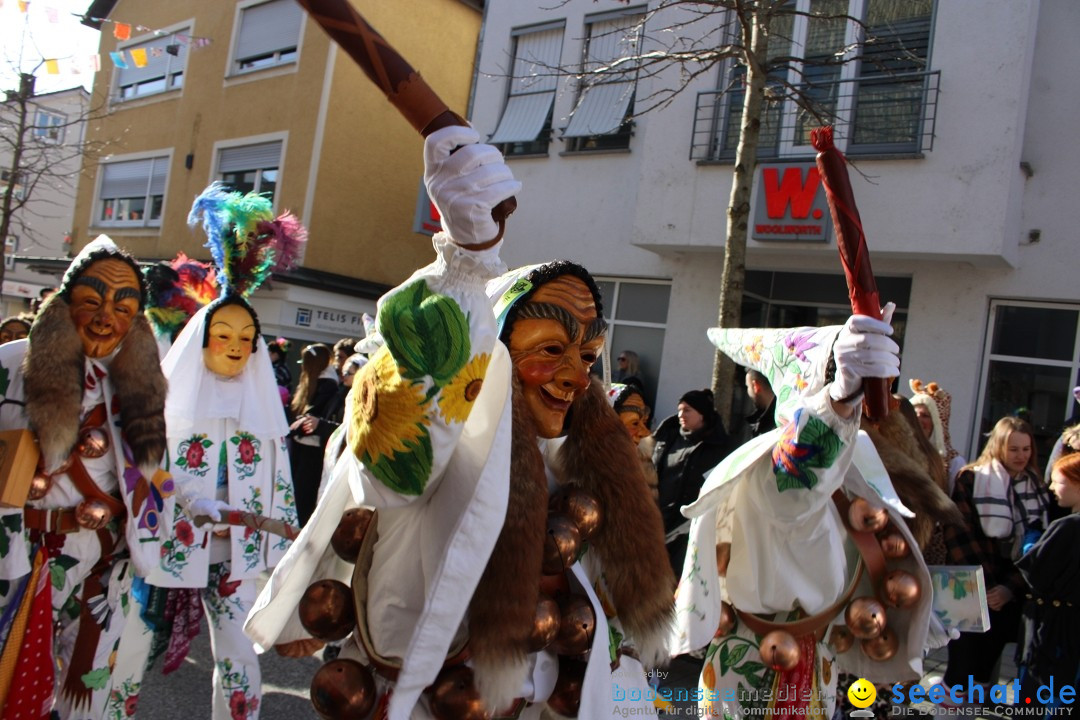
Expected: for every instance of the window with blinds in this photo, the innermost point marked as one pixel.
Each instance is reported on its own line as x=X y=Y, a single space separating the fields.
x=153 y=66
x=601 y=117
x=268 y=35
x=251 y=168
x=525 y=125
x=132 y=192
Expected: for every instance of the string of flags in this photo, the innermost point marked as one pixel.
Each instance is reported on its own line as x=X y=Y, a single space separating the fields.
x=125 y=58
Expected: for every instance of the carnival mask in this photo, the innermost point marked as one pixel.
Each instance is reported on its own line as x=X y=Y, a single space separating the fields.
x=13 y=330
x=230 y=340
x=555 y=340
x=634 y=414
x=104 y=303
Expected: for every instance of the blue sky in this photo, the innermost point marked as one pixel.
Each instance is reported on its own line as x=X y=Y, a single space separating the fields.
x=32 y=37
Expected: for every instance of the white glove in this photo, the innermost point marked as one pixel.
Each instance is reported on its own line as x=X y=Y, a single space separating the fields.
x=863 y=349
x=213 y=509
x=466 y=183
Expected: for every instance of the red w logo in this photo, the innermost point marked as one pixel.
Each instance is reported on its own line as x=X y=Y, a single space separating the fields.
x=789 y=191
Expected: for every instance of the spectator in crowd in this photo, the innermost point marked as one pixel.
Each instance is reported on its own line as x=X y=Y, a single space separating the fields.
x=326 y=424
x=343 y=350
x=279 y=351
x=1049 y=650
x=761 y=394
x=1070 y=436
x=15 y=328
x=933 y=406
x=628 y=368
x=43 y=295
x=315 y=392
x=688 y=445
x=1003 y=501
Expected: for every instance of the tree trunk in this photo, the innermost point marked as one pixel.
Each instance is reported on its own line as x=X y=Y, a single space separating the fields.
x=26 y=91
x=738 y=215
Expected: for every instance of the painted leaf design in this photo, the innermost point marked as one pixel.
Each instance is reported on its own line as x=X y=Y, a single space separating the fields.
x=426 y=333
x=408 y=472
x=815 y=445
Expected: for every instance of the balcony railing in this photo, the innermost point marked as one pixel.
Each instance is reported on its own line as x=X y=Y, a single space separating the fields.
x=879 y=115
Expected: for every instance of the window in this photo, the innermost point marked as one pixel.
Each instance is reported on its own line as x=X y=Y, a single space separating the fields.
x=636 y=311
x=132 y=192
x=1029 y=369
x=163 y=59
x=882 y=101
x=11 y=246
x=251 y=168
x=268 y=35
x=49 y=126
x=601 y=119
x=5 y=178
x=525 y=126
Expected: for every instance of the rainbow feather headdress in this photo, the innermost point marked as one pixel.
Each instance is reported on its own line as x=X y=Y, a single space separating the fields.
x=245 y=240
x=176 y=290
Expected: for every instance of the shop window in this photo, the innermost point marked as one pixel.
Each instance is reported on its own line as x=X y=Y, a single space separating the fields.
x=636 y=311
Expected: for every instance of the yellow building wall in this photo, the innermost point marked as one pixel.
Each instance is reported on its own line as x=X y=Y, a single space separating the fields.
x=365 y=160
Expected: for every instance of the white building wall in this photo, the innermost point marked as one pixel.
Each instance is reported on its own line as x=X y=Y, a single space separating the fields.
x=956 y=220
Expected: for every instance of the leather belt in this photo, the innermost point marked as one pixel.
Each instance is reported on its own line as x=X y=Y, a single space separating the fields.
x=60 y=520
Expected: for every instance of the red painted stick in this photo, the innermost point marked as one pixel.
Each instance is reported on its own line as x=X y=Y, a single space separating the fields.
x=253 y=521
x=854 y=255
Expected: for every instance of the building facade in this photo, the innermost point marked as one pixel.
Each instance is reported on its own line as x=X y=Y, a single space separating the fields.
x=254 y=94
x=955 y=120
x=51 y=154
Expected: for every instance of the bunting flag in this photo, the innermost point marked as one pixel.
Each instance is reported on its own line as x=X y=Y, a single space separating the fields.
x=52 y=67
x=118 y=59
x=138 y=56
x=121 y=31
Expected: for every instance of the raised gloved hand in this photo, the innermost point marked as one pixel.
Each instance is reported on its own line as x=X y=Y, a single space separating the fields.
x=863 y=349
x=213 y=509
x=465 y=180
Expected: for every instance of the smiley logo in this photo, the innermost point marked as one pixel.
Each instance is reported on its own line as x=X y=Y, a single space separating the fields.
x=862 y=693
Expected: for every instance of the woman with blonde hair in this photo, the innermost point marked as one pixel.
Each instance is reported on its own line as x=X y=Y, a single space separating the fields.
x=315 y=393
x=1004 y=503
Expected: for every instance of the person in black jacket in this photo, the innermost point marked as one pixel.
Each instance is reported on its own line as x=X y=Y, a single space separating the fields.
x=315 y=392
x=688 y=445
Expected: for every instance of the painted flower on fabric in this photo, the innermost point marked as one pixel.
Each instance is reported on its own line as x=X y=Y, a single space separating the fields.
x=459 y=395
x=191 y=452
x=753 y=350
x=389 y=425
x=130 y=705
x=246 y=451
x=801 y=447
x=184 y=533
x=241 y=706
x=799 y=343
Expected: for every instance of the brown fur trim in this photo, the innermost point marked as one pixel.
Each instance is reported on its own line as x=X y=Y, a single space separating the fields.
x=53 y=375
x=503 y=607
x=599 y=457
x=140 y=389
x=910 y=466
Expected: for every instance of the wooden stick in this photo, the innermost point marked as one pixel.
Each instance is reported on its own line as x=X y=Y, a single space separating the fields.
x=253 y=521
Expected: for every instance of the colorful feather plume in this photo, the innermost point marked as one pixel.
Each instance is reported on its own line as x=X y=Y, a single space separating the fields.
x=245 y=240
x=176 y=290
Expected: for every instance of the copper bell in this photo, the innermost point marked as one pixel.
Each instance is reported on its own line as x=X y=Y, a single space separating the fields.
x=727 y=619
x=561 y=545
x=545 y=625
x=894 y=546
x=583 y=509
x=92 y=514
x=900 y=589
x=326 y=610
x=554 y=585
x=779 y=650
x=342 y=689
x=93 y=442
x=864 y=517
x=40 y=485
x=865 y=617
x=577 y=623
x=349 y=534
x=841 y=639
x=883 y=647
x=566 y=695
x=455 y=697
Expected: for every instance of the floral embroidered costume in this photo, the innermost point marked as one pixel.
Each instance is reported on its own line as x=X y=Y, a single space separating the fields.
x=90 y=388
x=457 y=429
x=779 y=507
x=226 y=435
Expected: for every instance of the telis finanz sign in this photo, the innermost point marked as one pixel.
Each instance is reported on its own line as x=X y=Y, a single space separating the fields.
x=790 y=204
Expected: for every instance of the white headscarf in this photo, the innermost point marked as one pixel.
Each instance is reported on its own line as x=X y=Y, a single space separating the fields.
x=197 y=394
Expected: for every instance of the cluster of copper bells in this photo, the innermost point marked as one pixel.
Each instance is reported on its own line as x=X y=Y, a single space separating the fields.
x=93 y=443
x=865 y=617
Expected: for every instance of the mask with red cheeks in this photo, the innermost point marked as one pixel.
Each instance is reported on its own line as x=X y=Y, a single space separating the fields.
x=556 y=338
